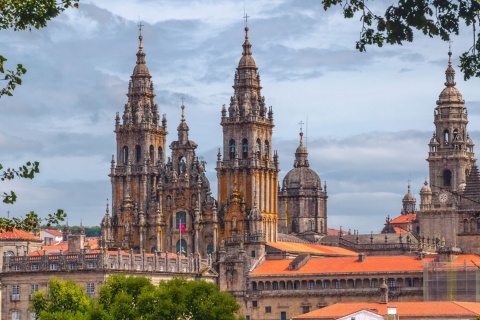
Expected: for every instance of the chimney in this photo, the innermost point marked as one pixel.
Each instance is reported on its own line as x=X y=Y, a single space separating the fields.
x=361 y=257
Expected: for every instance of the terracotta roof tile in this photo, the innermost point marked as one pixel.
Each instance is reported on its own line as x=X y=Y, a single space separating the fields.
x=17 y=234
x=344 y=265
x=54 y=232
x=311 y=248
x=404 y=219
x=404 y=309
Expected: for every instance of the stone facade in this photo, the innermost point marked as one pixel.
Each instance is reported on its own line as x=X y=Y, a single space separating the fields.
x=302 y=201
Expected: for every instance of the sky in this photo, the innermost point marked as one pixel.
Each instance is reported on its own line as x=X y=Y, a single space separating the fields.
x=369 y=115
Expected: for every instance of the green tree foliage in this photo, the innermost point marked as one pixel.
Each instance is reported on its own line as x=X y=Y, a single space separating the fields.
x=64 y=300
x=25 y=15
x=131 y=298
x=433 y=18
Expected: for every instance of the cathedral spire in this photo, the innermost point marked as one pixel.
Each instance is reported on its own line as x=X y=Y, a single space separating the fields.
x=301 y=155
x=450 y=72
x=183 y=127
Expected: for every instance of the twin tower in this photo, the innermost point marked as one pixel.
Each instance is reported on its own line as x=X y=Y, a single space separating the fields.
x=163 y=203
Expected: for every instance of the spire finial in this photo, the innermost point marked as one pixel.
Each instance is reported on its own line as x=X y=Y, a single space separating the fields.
x=408 y=181
x=183 y=109
x=107 y=206
x=245 y=17
x=140 y=37
x=450 y=72
x=301 y=131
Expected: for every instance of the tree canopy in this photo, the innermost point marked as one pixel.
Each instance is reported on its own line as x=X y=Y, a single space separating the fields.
x=128 y=298
x=434 y=18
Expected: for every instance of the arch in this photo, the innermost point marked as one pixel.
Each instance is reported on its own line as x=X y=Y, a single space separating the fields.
x=152 y=154
x=160 y=154
x=266 y=148
x=210 y=249
x=153 y=250
x=180 y=216
x=259 y=148
x=445 y=136
x=447 y=178
x=184 y=247
x=294 y=226
x=275 y=285
x=455 y=134
x=254 y=286
x=138 y=153
x=232 y=149
x=125 y=155
x=309 y=225
x=311 y=284
x=244 y=148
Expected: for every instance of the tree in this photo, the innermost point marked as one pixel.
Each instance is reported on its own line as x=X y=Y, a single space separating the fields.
x=432 y=17
x=64 y=300
x=25 y=15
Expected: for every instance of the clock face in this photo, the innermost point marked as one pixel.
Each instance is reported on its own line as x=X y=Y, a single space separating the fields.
x=443 y=197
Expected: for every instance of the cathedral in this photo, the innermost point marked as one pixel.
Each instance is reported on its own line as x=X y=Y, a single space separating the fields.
x=161 y=200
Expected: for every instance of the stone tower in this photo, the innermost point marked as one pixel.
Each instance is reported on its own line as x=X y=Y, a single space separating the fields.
x=141 y=139
x=247 y=170
x=247 y=173
x=450 y=157
x=302 y=201
x=151 y=197
x=408 y=202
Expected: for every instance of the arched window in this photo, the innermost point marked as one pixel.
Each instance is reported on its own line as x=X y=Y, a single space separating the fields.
x=184 y=247
x=259 y=148
x=153 y=250
x=210 y=249
x=447 y=178
x=309 y=225
x=232 y=149
x=267 y=149
x=445 y=136
x=160 y=153
x=455 y=134
x=244 y=148
x=183 y=217
x=138 y=153
x=125 y=155
x=294 y=226
x=152 y=154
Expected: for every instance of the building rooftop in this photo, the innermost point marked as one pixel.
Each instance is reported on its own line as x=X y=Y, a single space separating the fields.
x=17 y=234
x=310 y=248
x=448 y=309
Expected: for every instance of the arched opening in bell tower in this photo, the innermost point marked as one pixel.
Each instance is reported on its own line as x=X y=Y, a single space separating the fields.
x=125 y=155
x=244 y=148
x=232 y=149
x=267 y=149
x=152 y=154
x=455 y=134
x=259 y=148
x=160 y=153
x=138 y=153
x=445 y=136
x=447 y=178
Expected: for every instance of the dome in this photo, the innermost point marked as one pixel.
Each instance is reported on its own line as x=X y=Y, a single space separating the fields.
x=247 y=61
x=301 y=149
x=450 y=94
x=409 y=197
x=425 y=188
x=302 y=178
x=141 y=69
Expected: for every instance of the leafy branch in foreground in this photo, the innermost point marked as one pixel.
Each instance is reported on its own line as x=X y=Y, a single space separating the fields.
x=27 y=171
x=32 y=221
x=433 y=18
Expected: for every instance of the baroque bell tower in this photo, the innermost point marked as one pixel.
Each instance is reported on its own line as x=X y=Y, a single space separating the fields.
x=247 y=170
x=450 y=156
x=141 y=140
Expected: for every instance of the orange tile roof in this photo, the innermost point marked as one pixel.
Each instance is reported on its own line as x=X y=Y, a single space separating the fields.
x=404 y=218
x=399 y=230
x=54 y=232
x=334 y=232
x=342 y=265
x=404 y=309
x=311 y=248
x=17 y=234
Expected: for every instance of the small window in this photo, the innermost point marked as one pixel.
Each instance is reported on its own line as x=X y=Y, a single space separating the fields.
x=16 y=267
x=445 y=137
x=324 y=285
x=283 y=315
x=254 y=304
x=160 y=153
x=232 y=149
x=210 y=249
x=244 y=148
x=254 y=286
x=138 y=153
x=393 y=284
x=125 y=155
x=259 y=148
x=447 y=178
x=266 y=286
x=72 y=266
x=15 y=289
x=90 y=265
x=33 y=288
x=15 y=315
x=33 y=315
x=310 y=224
x=268 y=309
x=253 y=253
x=305 y=309
x=91 y=289
x=337 y=284
x=34 y=267
x=266 y=149
x=275 y=285
x=53 y=266
x=311 y=285
x=372 y=283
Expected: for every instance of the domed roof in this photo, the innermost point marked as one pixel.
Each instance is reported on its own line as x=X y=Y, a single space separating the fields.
x=450 y=93
x=301 y=176
x=141 y=67
x=409 y=196
x=426 y=188
x=247 y=61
